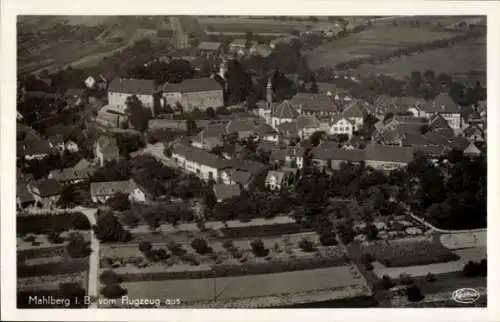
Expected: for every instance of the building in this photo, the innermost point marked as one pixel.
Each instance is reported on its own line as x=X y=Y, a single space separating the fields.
x=120 y=89
x=226 y=191
x=106 y=149
x=388 y=158
x=307 y=125
x=200 y=93
x=205 y=165
x=240 y=46
x=78 y=173
x=260 y=50
x=330 y=156
x=444 y=105
x=100 y=192
x=211 y=48
x=283 y=113
x=265 y=132
x=279 y=179
x=35 y=150
x=318 y=104
x=355 y=111
x=465 y=146
x=288 y=40
x=46 y=192
x=24 y=197
x=341 y=125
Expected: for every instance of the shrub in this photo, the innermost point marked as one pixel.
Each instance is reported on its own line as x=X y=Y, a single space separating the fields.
x=77 y=246
x=258 y=248
x=306 y=245
x=406 y=279
x=414 y=294
x=386 y=282
x=55 y=238
x=162 y=254
x=228 y=245
x=113 y=291
x=430 y=277
x=200 y=245
x=145 y=246
x=80 y=222
x=236 y=253
x=176 y=249
x=328 y=238
x=109 y=277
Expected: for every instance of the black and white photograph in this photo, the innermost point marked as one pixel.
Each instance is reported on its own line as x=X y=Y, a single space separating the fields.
x=250 y=161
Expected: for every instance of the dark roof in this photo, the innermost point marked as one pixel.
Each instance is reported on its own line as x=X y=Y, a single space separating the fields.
x=241 y=177
x=191 y=26
x=314 y=102
x=288 y=128
x=56 y=139
x=334 y=153
x=278 y=154
x=307 y=121
x=285 y=110
x=460 y=143
x=133 y=86
x=48 y=187
x=264 y=129
x=431 y=150
x=443 y=103
x=75 y=92
x=241 y=125
x=37 y=147
x=209 y=45
x=193 y=85
x=108 y=145
x=250 y=166
x=389 y=153
x=355 y=108
x=438 y=122
x=201 y=156
x=226 y=191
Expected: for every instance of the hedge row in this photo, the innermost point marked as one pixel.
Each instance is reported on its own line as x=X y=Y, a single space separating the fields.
x=42 y=252
x=65 y=267
x=41 y=224
x=239 y=270
x=264 y=231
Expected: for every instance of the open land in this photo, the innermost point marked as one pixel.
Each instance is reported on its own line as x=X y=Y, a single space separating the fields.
x=373 y=41
x=243 y=25
x=457 y=61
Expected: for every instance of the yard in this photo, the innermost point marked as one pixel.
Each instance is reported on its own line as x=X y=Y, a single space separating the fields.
x=458 y=60
x=198 y=290
x=373 y=41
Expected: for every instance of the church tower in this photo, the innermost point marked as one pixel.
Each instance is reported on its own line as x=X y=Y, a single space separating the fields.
x=269 y=92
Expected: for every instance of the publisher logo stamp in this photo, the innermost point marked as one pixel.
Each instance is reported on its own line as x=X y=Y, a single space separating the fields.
x=465 y=295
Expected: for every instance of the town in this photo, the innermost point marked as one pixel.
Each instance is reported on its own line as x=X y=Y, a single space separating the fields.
x=251 y=162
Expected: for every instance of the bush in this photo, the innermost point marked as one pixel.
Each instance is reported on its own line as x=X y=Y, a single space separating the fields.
x=406 y=279
x=431 y=277
x=77 y=246
x=145 y=246
x=306 y=245
x=55 y=238
x=228 y=245
x=80 y=222
x=176 y=249
x=474 y=269
x=109 y=277
x=200 y=245
x=74 y=292
x=258 y=248
x=236 y=253
x=328 y=238
x=113 y=291
x=162 y=254
x=414 y=294
x=386 y=282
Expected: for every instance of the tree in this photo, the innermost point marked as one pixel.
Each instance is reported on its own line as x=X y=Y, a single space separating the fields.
x=109 y=277
x=74 y=292
x=430 y=277
x=414 y=293
x=78 y=246
x=200 y=245
x=176 y=249
x=258 y=248
x=191 y=126
x=109 y=229
x=328 y=238
x=138 y=115
x=145 y=246
x=113 y=291
x=119 y=201
x=210 y=112
x=306 y=245
x=228 y=245
x=386 y=282
x=80 y=222
x=209 y=199
x=471 y=269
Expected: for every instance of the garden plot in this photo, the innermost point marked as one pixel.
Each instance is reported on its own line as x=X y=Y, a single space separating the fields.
x=464 y=240
x=49 y=282
x=197 y=290
x=466 y=255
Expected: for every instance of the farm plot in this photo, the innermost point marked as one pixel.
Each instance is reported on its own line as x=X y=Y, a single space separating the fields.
x=458 y=60
x=403 y=253
x=196 y=290
x=49 y=282
x=465 y=255
x=244 y=25
x=373 y=41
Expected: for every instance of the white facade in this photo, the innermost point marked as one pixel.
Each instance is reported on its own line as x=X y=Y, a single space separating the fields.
x=276 y=121
x=342 y=126
x=90 y=82
x=192 y=100
x=118 y=101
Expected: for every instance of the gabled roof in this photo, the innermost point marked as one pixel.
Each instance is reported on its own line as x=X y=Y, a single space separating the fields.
x=69 y=174
x=56 y=139
x=264 y=129
x=212 y=131
x=472 y=129
x=132 y=86
x=383 y=100
x=307 y=122
x=314 y=102
x=242 y=125
x=112 y=187
x=335 y=153
x=438 y=122
x=108 y=144
x=431 y=150
x=201 y=156
x=48 y=187
x=209 y=45
x=278 y=154
x=460 y=143
x=443 y=103
x=389 y=153
x=355 y=108
x=239 y=42
x=288 y=128
x=278 y=175
x=226 y=191
x=285 y=110
x=337 y=118
x=240 y=176
x=203 y=84
x=36 y=147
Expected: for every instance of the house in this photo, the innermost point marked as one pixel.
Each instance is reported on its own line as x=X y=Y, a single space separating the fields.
x=474 y=133
x=265 y=132
x=294 y=156
x=307 y=125
x=288 y=131
x=283 y=113
x=206 y=165
x=35 y=150
x=287 y=40
x=318 y=104
x=209 y=48
x=279 y=179
x=72 y=146
x=78 y=173
x=46 y=192
x=341 y=125
x=388 y=157
x=100 y=192
x=444 y=105
x=121 y=88
x=226 y=191
x=210 y=137
x=262 y=50
x=57 y=142
x=330 y=156
x=243 y=127
x=24 y=197
x=355 y=111
x=106 y=149
x=200 y=93
x=465 y=146
x=240 y=46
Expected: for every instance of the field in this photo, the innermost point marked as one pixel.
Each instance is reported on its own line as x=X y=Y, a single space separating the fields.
x=457 y=60
x=370 y=42
x=245 y=287
x=243 y=25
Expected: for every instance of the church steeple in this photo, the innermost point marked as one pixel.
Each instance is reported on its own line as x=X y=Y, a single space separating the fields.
x=269 y=92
